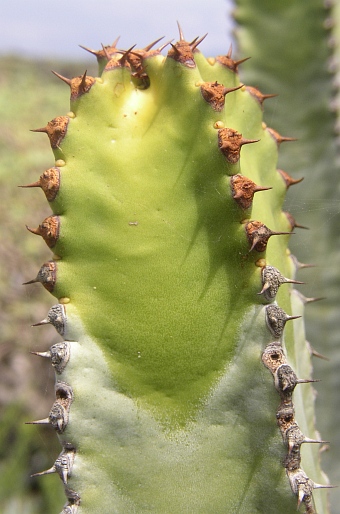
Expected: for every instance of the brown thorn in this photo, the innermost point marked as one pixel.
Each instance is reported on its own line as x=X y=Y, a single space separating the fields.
x=319 y=355
x=193 y=41
x=35 y=231
x=34 y=184
x=47 y=472
x=82 y=86
x=278 y=138
x=163 y=46
x=291 y=281
x=290 y=181
x=248 y=141
x=231 y=89
x=307 y=380
x=42 y=322
x=317 y=441
x=123 y=58
x=261 y=188
x=324 y=486
x=42 y=129
x=61 y=77
x=306 y=300
x=176 y=49
x=45 y=421
x=42 y=354
x=195 y=45
x=34 y=281
x=106 y=53
x=292 y=221
x=181 y=36
x=93 y=52
x=316 y=299
x=114 y=44
x=292 y=317
x=148 y=47
x=302 y=265
x=237 y=63
x=273 y=95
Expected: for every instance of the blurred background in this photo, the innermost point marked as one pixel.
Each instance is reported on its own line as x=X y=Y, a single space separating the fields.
x=36 y=37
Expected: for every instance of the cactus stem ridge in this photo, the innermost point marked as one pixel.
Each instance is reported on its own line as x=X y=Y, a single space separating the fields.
x=285 y=381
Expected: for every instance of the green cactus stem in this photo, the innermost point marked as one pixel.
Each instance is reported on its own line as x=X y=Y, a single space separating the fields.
x=173 y=281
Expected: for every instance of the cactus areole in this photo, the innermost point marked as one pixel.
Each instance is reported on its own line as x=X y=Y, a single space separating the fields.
x=178 y=360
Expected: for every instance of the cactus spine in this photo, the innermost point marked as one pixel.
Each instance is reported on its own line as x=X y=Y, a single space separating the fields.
x=170 y=250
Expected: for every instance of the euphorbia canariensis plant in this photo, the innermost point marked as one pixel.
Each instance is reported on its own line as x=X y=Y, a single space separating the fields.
x=182 y=373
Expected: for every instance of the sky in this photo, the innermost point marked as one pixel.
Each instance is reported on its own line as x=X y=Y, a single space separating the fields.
x=46 y=28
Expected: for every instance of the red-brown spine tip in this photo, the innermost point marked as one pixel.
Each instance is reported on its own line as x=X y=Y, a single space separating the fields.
x=260 y=97
x=48 y=230
x=194 y=44
x=292 y=222
x=243 y=190
x=289 y=181
x=278 y=138
x=56 y=130
x=106 y=53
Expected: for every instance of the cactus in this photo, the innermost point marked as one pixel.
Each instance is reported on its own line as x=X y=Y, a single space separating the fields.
x=183 y=377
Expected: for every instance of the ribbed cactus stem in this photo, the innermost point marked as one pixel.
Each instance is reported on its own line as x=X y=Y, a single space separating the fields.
x=174 y=287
